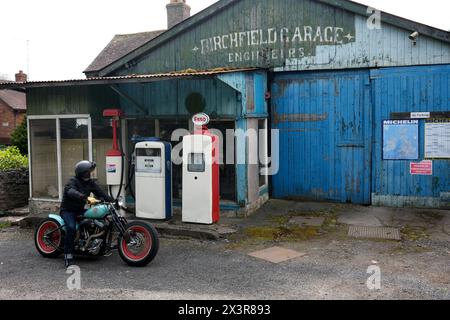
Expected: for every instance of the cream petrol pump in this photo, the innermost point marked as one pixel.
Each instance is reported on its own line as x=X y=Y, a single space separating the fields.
x=153 y=179
x=201 y=174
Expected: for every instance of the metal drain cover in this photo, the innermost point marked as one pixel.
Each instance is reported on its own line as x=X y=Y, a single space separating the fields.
x=374 y=233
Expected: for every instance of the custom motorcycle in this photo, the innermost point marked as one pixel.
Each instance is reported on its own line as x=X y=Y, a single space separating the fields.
x=100 y=231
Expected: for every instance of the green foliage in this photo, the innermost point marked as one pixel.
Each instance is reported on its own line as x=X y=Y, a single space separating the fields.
x=19 y=137
x=11 y=158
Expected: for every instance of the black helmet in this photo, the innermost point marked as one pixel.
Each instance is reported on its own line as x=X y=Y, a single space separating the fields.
x=83 y=169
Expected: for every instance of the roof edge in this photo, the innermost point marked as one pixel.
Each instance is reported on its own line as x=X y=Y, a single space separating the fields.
x=397 y=21
x=186 y=74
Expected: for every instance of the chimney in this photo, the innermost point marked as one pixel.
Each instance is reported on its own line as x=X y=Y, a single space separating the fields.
x=177 y=11
x=21 y=77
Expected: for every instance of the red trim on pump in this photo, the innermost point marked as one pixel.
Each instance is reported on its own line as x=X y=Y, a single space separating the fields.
x=215 y=180
x=113 y=153
x=115 y=114
x=215 y=173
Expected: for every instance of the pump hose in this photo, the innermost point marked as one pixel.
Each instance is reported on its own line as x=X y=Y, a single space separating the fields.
x=123 y=163
x=130 y=176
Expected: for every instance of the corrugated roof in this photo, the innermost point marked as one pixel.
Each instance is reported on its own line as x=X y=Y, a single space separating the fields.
x=15 y=99
x=122 y=79
x=120 y=46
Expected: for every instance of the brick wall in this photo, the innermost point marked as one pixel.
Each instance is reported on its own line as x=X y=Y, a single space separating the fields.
x=14 y=189
x=11 y=118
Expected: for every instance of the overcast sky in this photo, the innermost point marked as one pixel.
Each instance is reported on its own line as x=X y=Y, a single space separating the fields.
x=62 y=37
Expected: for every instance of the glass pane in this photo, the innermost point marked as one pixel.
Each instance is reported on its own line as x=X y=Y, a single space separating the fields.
x=44 y=167
x=148 y=160
x=196 y=162
x=74 y=145
x=101 y=143
x=141 y=128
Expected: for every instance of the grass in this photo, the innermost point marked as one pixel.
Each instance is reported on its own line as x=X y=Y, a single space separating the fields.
x=414 y=233
x=4 y=225
x=281 y=233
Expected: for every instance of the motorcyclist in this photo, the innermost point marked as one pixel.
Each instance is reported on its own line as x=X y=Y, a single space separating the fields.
x=76 y=194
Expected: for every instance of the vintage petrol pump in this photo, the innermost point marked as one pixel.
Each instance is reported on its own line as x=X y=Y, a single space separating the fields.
x=115 y=161
x=201 y=174
x=153 y=177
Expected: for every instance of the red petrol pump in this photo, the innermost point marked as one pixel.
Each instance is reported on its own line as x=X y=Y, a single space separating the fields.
x=115 y=161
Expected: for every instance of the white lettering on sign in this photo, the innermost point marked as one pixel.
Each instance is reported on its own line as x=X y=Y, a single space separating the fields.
x=322 y=35
x=200 y=119
x=420 y=115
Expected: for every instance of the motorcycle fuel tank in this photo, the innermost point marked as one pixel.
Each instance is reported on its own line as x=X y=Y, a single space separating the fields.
x=97 y=212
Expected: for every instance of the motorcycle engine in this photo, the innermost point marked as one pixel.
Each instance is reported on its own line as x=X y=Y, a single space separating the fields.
x=92 y=231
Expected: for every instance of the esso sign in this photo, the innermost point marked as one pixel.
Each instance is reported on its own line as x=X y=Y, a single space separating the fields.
x=200 y=119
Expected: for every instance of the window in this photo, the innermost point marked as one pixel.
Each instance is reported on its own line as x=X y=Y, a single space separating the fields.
x=44 y=164
x=101 y=143
x=74 y=145
x=196 y=162
x=57 y=143
x=262 y=151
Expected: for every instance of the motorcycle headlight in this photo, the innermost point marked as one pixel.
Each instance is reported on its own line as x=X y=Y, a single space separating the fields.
x=121 y=202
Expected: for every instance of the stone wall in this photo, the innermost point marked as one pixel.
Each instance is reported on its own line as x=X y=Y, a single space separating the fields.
x=43 y=207
x=14 y=189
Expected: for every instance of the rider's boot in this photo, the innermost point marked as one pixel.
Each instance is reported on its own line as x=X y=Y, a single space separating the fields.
x=68 y=260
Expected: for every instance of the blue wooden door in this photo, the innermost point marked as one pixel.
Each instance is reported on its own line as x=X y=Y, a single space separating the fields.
x=324 y=122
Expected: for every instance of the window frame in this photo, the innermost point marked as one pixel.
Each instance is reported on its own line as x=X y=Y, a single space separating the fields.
x=57 y=119
x=265 y=151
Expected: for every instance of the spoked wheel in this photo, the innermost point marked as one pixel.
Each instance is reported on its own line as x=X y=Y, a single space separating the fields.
x=48 y=239
x=141 y=247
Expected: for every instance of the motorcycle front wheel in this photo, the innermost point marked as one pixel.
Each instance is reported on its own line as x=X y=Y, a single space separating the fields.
x=142 y=246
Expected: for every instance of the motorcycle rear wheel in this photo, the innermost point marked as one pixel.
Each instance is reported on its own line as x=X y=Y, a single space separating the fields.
x=51 y=247
x=145 y=246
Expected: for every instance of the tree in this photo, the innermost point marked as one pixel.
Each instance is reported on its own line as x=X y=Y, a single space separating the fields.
x=19 y=137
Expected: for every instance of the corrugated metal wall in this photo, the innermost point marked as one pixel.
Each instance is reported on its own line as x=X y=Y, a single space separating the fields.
x=385 y=47
x=167 y=98
x=71 y=100
x=413 y=89
x=324 y=122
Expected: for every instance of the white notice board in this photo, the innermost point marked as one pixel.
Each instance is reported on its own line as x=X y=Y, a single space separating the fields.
x=437 y=139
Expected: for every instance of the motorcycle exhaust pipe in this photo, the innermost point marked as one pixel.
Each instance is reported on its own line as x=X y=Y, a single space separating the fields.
x=94 y=236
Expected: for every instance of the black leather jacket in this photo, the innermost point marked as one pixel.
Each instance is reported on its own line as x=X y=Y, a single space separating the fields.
x=76 y=193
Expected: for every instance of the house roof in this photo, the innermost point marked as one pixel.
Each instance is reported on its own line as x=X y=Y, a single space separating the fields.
x=15 y=99
x=220 y=5
x=119 y=46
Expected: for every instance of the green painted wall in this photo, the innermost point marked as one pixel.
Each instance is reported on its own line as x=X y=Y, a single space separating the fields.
x=252 y=33
x=167 y=98
x=71 y=100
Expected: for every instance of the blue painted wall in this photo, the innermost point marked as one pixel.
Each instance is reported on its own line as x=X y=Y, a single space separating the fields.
x=409 y=89
x=324 y=122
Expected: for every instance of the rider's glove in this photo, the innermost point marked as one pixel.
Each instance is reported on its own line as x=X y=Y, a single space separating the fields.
x=91 y=201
